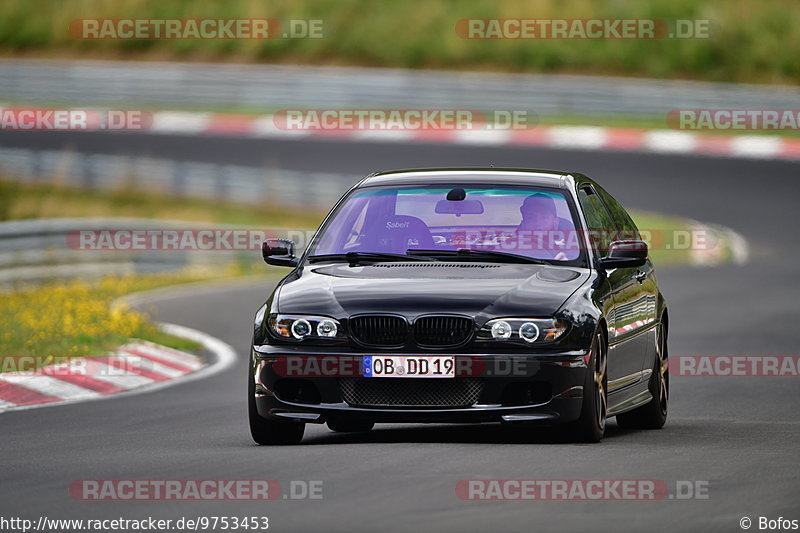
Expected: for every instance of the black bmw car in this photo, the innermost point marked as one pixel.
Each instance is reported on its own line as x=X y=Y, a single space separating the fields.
x=463 y=295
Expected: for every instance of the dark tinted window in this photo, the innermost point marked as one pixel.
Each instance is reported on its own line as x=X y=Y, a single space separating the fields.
x=601 y=226
x=622 y=219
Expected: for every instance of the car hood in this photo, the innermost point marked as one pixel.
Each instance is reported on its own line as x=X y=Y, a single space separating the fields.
x=417 y=288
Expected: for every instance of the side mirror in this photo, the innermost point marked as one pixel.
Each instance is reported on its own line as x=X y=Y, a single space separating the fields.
x=625 y=254
x=279 y=252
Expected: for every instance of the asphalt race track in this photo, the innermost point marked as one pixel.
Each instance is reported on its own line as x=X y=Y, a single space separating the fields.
x=739 y=434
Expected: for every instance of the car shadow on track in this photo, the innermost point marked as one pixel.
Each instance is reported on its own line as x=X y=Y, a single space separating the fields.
x=459 y=434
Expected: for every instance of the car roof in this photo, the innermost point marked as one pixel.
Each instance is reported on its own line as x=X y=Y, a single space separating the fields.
x=500 y=176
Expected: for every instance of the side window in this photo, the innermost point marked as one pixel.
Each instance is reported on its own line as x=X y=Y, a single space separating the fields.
x=623 y=221
x=601 y=226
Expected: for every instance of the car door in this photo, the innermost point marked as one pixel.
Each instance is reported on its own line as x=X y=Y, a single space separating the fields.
x=625 y=351
x=639 y=315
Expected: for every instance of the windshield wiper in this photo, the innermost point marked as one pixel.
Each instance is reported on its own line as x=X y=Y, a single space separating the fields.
x=355 y=258
x=468 y=252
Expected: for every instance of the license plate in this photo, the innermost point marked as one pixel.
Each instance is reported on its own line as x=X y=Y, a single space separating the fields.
x=408 y=366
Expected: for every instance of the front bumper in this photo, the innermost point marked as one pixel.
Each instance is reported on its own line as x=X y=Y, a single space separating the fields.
x=545 y=388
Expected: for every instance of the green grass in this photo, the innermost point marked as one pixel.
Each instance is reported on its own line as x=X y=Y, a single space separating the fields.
x=754 y=41
x=662 y=227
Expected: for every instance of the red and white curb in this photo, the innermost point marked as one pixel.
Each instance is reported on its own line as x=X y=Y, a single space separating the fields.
x=567 y=137
x=133 y=368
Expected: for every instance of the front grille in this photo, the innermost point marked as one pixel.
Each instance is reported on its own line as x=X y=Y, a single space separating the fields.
x=378 y=330
x=442 y=330
x=410 y=392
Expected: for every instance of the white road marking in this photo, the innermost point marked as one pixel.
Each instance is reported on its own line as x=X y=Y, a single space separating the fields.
x=482 y=137
x=669 y=141
x=756 y=146
x=50 y=386
x=165 y=355
x=264 y=126
x=153 y=366
x=180 y=122
x=587 y=137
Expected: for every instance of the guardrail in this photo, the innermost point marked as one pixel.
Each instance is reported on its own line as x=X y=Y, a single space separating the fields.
x=233 y=183
x=35 y=250
x=226 y=86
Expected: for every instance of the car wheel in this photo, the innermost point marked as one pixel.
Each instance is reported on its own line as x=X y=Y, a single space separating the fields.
x=591 y=425
x=653 y=415
x=349 y=426
x=265 y=431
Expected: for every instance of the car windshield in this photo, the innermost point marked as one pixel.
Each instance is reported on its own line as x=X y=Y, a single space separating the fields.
x=533 y=222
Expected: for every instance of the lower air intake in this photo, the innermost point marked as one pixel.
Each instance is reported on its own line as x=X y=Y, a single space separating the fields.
x=410 y=392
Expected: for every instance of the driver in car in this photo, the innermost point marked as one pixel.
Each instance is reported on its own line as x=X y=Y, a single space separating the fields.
x=539 y=229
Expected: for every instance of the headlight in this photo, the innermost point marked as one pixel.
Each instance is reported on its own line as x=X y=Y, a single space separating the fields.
x=327 y=328
x=501 y=330
x=528 y=330
x=301 y=327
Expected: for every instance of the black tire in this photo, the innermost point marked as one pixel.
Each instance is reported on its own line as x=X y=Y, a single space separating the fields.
x=591 y=425
x=265 y=431
x=652 y=415
x=349 y=426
